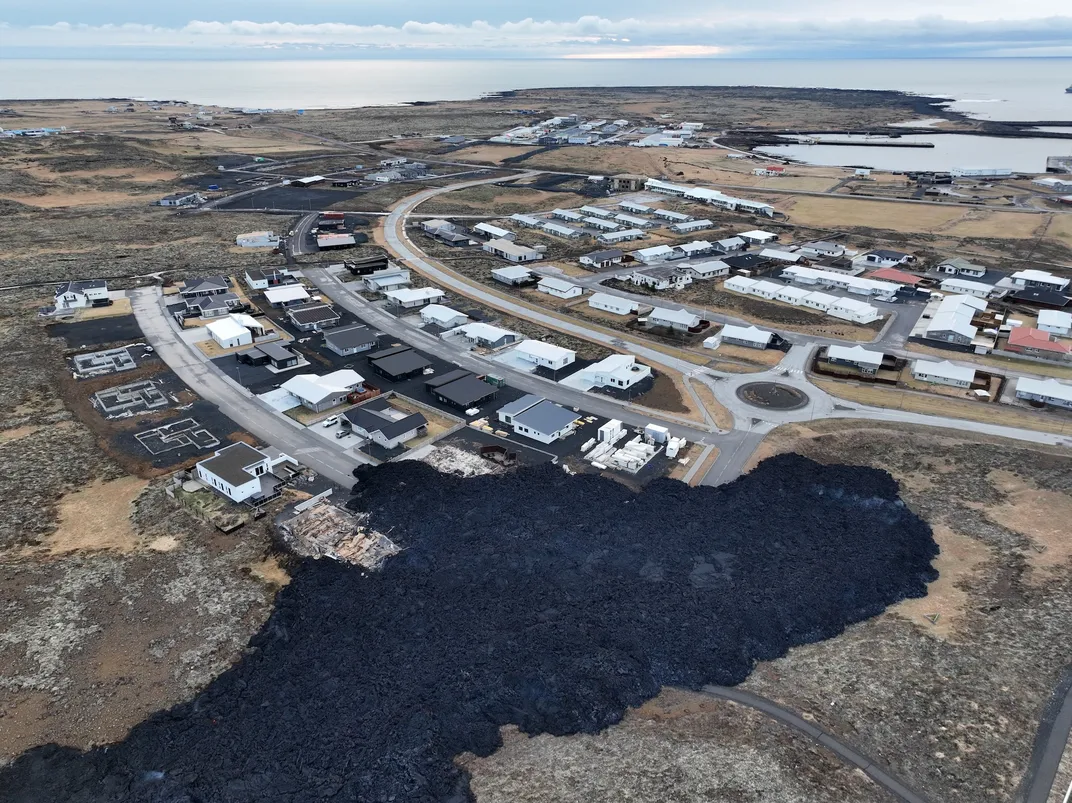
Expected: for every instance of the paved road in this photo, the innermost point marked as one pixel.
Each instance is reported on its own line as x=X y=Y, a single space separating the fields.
x=234 y=401
x=849 y=755
x=1051 y=741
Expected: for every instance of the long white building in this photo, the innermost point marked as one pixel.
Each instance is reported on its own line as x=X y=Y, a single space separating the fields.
x=710 y=197
x=853 y=284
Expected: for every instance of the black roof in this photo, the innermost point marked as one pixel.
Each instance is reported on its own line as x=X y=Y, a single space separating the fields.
x=229 y=464
x=1045 y=298
x=371 y=420
x=885 y=253
x=276 y=351
x=312 y=313
x=351 y=337
x=466 y=391
x=745 y=261
x=405 y=362
x=446 y=378
x=600 y=256
x=379 y=355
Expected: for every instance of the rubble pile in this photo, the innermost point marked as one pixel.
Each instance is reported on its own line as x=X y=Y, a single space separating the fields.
x=529 y=597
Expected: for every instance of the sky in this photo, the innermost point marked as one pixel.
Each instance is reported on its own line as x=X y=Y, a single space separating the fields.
x=632 y=29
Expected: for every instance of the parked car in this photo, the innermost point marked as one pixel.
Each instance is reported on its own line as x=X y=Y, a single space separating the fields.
x=342 y=433
x=330 y=422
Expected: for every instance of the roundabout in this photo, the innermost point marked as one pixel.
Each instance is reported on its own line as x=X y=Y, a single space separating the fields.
x=772 y=396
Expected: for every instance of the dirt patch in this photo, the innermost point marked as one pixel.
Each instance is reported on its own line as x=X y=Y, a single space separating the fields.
x=97 y=517
x=1041 y=515
x=269 y=571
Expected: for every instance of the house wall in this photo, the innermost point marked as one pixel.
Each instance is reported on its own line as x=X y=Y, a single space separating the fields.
x=1044 y=399
x=746 y=343
x=948 y=337
x=539 y=436
x=241 y=340
x=940 y=380
x=238 y=493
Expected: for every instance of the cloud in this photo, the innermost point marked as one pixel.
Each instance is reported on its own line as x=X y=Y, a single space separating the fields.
x=589 y=36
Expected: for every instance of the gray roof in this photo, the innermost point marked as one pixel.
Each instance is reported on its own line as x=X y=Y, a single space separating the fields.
x=402 y=363
x=600 y=256
x=312 y=313
x=276 y=351
x=371 y=420
x=546 y=417
x=229 y=464
x=219 y=300
x=77 y=287
x=351 y=337
x=447 y=378
x=887 y=254
x=207 y=283
x=524 y=403
x=267 y=273
x=379 y=355
x=466 y=391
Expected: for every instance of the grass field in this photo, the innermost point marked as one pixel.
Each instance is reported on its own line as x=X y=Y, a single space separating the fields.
x=986 y=413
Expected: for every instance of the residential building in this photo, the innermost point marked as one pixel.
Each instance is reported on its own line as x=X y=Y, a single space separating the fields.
x=511 y=251
x=258 y=239
x=620 y=371
x=558 y=288
x=885 y=258
x=528 y=221
x=350 y=340
x=268 y=277
x=398 y=363
x=484 y=335
x=559 y=230
x=792 y=295
x=864 y=360
x=313 y=317
x=320 y=393
x=770 y=171
x=287 y=295
x=613 y=304
x=896 y=276
x=672 y=216
x=274 y=354
x=182 y=199
x=435 y=225
x=329 y=241
x=819 y=301
x=461 y=389
x=386 y=426
x=208 y=307
x=640 y=209
x=740 y=284
x=230 y=332
x=513 y=276
x=208 y=286
x=243 y=473
x=967 y=287
x=634 y=222
x=662 y=277
x=493 y=232
x=597 y=211
x=1044 y=391
x=821 y=249
x=601 y=224
x=729 y=245
x=76 y=295
x=602 y=259
x=691 y=225
x=778 y=255
x=539 y=419
x=748 y=336
x=980 y=172
x=757 y=237
x=612 y=237
x=956 y=266
x=680 y=319
x=943 y=373
x=544 y=355
x=657 y=253
x=711 y=269
x=800 y=275
x=952 y=320
x=567 y=215
x=1036 y=343
x=764 y=289
x=1039 y=278
x=411 y=298
x=1055 y=322
x=849 y=309
x=627 y=182
x=443 y=317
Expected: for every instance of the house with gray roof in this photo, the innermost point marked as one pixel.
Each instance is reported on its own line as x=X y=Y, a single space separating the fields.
x=384 y=425
x=74 y=295
x=539 y=419
x=243 y=473
x=351 y=340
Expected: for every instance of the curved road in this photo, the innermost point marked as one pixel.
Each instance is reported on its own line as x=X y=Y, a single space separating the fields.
x=849 y=755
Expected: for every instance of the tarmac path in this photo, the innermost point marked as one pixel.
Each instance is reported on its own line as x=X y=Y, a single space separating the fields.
x=234 y=401
x=848 y=754
x=1051 y=741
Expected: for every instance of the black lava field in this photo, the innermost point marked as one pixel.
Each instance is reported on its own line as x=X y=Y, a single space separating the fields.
x=535 y=598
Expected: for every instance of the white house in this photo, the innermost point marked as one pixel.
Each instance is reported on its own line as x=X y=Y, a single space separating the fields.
x=229 y=332
x=757 y=237
x=672 y=216
x=443 y=317
x=634 y=222
x=602 y=259
x=792 y=295
x=484 y=334
x=182 y=199
x=956 y=266
x=640 y=209
x=258 y=239
x=821 y=249
x=262 y=279
x=781 y=256
x=740 y=284
x=819 y=301
x=436 y=224
x=558 y=288
x=544 y=355
x=611 y=237
x=712 y=269
x=616 y=371
x=528 y=221
x=679 y=319
x=613 y=304
x=663 y=277
x=286 y=295
x=381 y=281
x=691 y=225
x=849 y=309
x=513 y=275
x=566 y=214
x=967 y=287
x=765 y=289
x=493 y=232
x=539 y=419
x=561 y=231
x=511 y=251
x=410 y=297
x=601 y=224
x=1046 y=391
x=597 y=211
x=319 y=393
x=657 y=253
x=240 y=472
x=884 y=258
x=1055 y=322
x=749 y=336
x=865 y=360
x=1039 y=278
x=75 y=295
x=730 y=245
x=943 y=373
x=696 y=248
x=769 y=171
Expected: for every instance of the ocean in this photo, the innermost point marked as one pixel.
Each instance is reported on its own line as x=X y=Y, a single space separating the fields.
x=1002 y=89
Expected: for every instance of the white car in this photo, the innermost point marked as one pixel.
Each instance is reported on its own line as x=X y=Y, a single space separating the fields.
x=330 y=422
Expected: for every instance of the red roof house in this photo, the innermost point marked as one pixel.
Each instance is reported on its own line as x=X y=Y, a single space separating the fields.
x=1024 y=338
x=894 y=275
